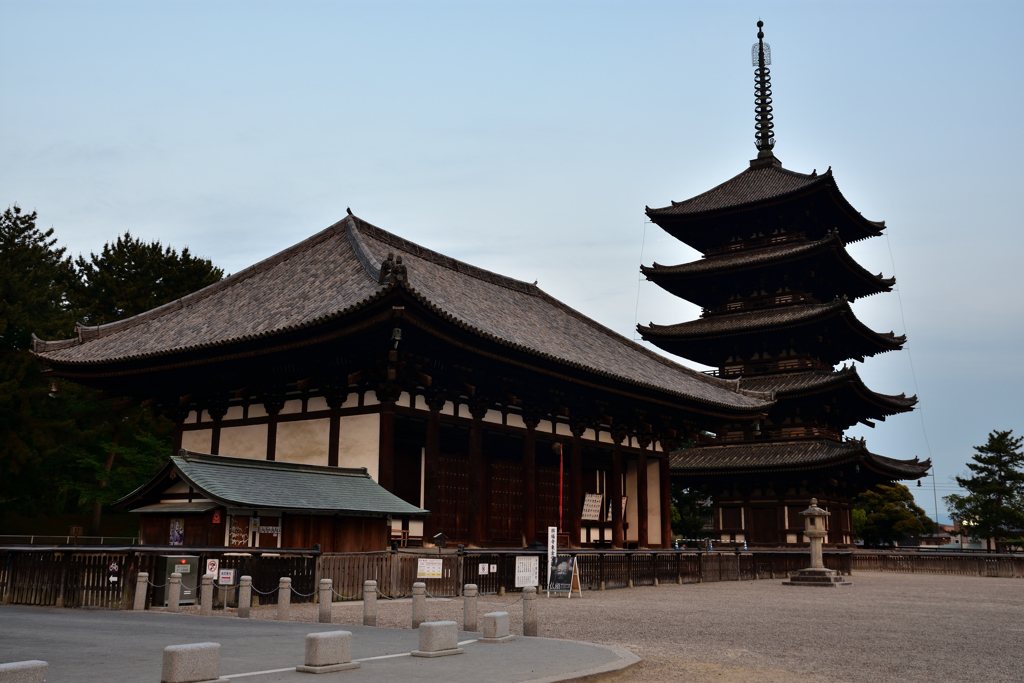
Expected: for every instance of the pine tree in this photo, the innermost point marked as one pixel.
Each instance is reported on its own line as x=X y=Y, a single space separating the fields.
x=994 y=505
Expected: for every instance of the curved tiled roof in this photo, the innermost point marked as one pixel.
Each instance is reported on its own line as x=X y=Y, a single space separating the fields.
x=807 y=454
x=335 y=272
x=813 y=381
x=755 y=184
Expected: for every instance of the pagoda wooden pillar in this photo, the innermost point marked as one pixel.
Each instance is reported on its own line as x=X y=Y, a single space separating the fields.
x=530 y=481
x=334 y=402
x=575 y=486
x=641 y=493
x=477 y=477
x=432 y=469
x=386 y=459
x=617 y=438
x=666 y=500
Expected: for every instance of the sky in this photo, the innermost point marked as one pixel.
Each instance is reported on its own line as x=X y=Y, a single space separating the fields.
x=527 y=138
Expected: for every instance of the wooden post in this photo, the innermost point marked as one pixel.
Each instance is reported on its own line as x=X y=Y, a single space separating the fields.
x=641 y=492
x=432 y=467
x=575 y=486
x=477 y=476
x=272 y=411
x=666 y=501
x=617 y=437
x=334 y=402
x=386 y=460
x=530 y=480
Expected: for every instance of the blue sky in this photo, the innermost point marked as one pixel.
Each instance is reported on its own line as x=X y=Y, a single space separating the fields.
x=527 y=138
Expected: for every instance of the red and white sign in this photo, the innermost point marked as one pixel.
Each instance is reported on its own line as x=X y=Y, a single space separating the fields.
x=212 y=566
x=216 y=516
x=226 y=577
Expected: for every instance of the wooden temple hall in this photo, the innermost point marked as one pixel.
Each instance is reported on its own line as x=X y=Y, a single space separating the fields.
x=454 y=400
x=776 y=284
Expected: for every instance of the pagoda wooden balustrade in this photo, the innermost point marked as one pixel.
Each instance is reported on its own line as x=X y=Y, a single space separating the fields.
x=755 y=243
x=786 y=365
x=757 y=304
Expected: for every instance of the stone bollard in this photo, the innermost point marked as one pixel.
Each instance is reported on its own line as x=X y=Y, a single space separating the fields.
x=327 y=652
x=530 y=611
x=244 y=596
x=438 y=639
x=601 y=587
x=656 y=584
x=31 y=671
x=174 y=592
x=419 y=603
x=469 y=607
x=284 y=599
x=325 y=601
x=496 y=628
x=206 y=596
x=193 y=663
x=141 y=591
x=369 y=603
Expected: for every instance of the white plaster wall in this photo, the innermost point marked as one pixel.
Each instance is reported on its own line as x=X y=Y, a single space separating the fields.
x=370 y=399
x=191 y=419
x=205 y=417
x=464 y=411
x=657 y=447
x=631 y=517
x=563 y=429
x=589 y=434
x=604 y=437
x=405 y=400
x=653 y=502
x=515 y=420
x=199 y=441
x=421 y=403
x=303 y=442
x=234 y=413
x=359 y=442
x=177 y=487
x=249 y=441
x=448 y=408
x=351 y=401
x=257 y=410
x=415 y=527
x=291 y=407
x=544 y=427
x=317 y=403
x=493 y=416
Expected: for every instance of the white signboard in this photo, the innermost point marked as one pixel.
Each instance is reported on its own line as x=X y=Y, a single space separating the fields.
x=482 y=570
x=226 y=577
x=552 y=547
x=212 y=566
x=494 y=569
x=592 y=507
x=429 y=569
x=527 y=571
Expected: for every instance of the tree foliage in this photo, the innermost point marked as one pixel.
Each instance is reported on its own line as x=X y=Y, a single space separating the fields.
x=689 y=513
x=62 y=448
x=993 y=506
x=889 y=515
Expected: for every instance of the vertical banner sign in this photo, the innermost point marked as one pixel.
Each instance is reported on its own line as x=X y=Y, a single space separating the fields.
x=552 y=547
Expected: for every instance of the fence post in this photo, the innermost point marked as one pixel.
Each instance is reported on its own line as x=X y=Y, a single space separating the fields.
x=244 y=596
x=419 y=603
x=206 y=596
x=173 y=592
x=325 y=601
x=469 y=607
x=369 y=603
x=284 y=598
x=629 y=571
x=141 y=586
x=529 y=611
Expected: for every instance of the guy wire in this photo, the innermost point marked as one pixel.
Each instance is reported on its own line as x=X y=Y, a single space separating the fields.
x=636 y=311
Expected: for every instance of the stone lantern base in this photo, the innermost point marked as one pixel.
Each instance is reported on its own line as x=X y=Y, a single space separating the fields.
x=820 y=578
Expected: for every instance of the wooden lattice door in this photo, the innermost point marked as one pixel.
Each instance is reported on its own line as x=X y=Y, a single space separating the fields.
x=506 y=501
x=547 y=499
x=453 y=497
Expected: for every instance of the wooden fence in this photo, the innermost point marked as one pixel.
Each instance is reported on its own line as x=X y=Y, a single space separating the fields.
x=999 y=566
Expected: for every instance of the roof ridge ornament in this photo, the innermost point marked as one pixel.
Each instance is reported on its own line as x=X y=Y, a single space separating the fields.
x=764 y=137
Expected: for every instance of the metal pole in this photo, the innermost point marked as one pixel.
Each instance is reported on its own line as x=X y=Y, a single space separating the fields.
x=560 y=471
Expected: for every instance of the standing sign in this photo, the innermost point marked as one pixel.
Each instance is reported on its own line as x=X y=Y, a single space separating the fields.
x=429 y=569
x=226 y=577
x=565 y=576
x=552 y=547
x=212 y=566
x=113 y=570
x=527 y=571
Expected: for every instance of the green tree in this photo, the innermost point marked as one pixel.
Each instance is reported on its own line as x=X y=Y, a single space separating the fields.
x=130 y=276
x=689 y=512
x=890 y=514
x=993 y=507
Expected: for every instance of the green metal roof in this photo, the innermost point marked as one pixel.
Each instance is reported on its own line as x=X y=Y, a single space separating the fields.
x=239 y=482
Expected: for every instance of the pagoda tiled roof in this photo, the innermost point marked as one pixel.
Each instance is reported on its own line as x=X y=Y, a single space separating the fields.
x=789 y=455
x=335 y=273
x=753 y=185
x=816 y=381
x=766 y=319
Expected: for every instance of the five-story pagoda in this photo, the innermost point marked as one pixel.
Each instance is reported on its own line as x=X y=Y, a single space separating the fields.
x=776 y=285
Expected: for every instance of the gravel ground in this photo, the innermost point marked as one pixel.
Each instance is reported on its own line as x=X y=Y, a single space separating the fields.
x=886 y=627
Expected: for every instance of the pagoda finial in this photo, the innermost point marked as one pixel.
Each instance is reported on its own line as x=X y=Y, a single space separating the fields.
x=761 y=57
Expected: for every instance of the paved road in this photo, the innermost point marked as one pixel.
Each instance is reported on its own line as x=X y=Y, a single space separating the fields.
x=84 y=646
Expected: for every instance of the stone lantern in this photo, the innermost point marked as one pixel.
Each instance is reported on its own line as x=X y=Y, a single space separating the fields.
x=816 y=574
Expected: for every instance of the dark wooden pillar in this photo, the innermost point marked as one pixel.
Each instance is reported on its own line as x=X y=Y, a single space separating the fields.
x=617 y=437
x=386 y=459
x=272 y=411
x=575 y=486
x=530 y=480
x=178 y=429
x=477 y=477
x=641 y=493
x=217 y=413
x=432 y=468
x=334 y=436
x=666 y=500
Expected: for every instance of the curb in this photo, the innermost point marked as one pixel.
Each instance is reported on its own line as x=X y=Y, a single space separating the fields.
x=625 y=659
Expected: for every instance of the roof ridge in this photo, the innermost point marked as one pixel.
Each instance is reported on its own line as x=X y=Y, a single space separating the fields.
x=209 y=458
x=810 y=309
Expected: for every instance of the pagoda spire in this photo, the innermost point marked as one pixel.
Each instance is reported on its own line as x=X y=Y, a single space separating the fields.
x=761 y=57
